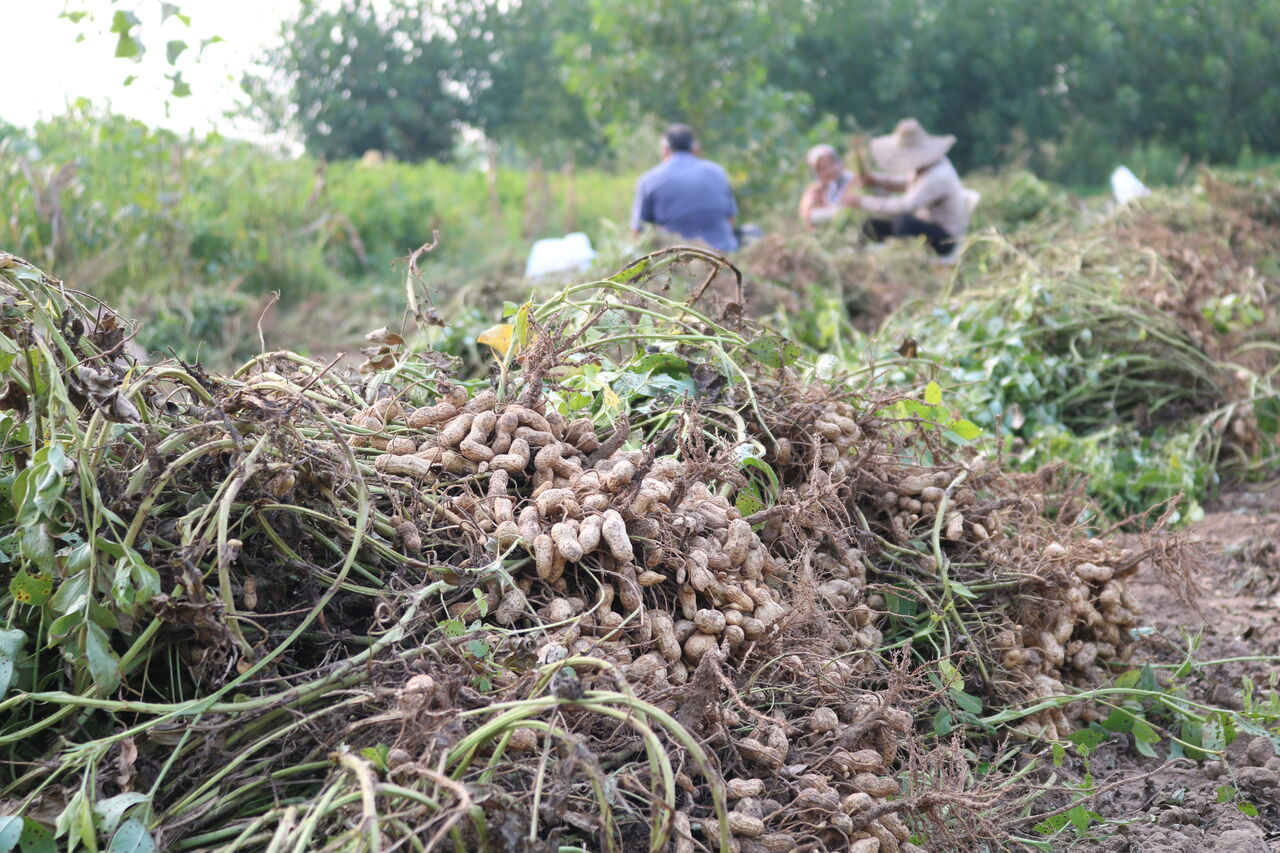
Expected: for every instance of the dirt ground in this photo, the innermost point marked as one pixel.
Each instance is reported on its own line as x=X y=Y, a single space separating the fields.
x=1175 y=809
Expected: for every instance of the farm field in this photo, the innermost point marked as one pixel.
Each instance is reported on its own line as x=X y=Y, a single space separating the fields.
x=816 y=547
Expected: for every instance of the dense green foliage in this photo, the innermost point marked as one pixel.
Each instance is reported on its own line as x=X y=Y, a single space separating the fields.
x=190 y=230
x=1070 y=85
x=368 y=81
x=1068 y=88
x=505 y=58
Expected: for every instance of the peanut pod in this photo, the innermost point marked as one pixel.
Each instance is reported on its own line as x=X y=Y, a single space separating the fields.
x=431 y=415
x=613 y=531
x=456 y=430
x=473 y=446
x=565 y=536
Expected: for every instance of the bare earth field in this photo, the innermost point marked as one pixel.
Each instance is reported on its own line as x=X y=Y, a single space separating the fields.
x=1237 y=615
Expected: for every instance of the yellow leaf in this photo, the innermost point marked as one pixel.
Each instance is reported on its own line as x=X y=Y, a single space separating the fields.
x=498 y=337
x=611 y=399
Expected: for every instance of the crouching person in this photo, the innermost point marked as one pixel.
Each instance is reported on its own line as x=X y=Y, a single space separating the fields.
x=931 y=202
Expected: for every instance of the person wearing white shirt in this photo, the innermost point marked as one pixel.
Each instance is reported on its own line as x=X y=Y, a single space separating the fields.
x=821 y=200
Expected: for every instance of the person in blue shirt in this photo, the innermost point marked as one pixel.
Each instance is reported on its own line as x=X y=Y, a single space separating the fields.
x=686 y=194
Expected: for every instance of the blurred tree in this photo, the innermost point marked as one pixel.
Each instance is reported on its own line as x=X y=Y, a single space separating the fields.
x=369 y=76
x=506 y=62
x=1066 y=87
x=1070 y=87
x=683 y=60
x=988 y=72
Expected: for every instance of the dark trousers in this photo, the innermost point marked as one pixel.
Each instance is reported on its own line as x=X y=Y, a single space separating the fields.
x=907 y=225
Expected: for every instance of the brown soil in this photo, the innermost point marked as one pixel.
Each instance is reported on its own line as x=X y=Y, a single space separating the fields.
x=1236 y=615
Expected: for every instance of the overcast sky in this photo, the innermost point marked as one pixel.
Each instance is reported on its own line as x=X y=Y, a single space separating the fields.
x=45 y=69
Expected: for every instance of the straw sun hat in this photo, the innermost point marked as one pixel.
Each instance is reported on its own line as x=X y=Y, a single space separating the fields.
x=909 y=147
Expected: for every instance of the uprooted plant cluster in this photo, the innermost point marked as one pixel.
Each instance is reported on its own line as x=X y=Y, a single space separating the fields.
x=1135 y=346
x=654 y=582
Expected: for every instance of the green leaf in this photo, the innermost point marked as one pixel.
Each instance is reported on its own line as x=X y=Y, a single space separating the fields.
x=77 y=560
x=763 y=467
x=104 y=664
x=132 y=837
x=660 y=362
x=478 y=649
x=111 y=810
x=10 y=832
x=36 y=547
x=113 y=549
x=376 y=755
x=1079 y=817
x=659 y=382
x=50 y=460
x=773 y=351
x=31 y=589
x=123 y=21
x=21 y=491
x=966 y=701
x=1051 y=825
x=950 y=675
x=748 y=501
x=63 y=626
x=74 y=17
x=34 y=838
x=71 y=593
x=1127 y=679
x=1225 y=794
x=916 y=409
x=1119 y=720
x=933 y=394
x=631 y=272
x=71 y=823
x=1059 y=753
x=180 y=87
x=167 y=11
x=1087 y=740
x=1193 y=733
x=453 y=627
x=1218 y=732
x=1247 y=808
x=942 y=722
x=135 y=581
x=173 y=49
x=900 y=605
x=1143 y=736
x=127 y=47
x=11 y=643
x=966 y=429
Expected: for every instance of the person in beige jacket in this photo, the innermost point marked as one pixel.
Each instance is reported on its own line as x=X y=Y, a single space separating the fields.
x=931 y=201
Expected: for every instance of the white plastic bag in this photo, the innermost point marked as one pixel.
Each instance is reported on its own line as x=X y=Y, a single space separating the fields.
x=572 y=252
x=1126 y=186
